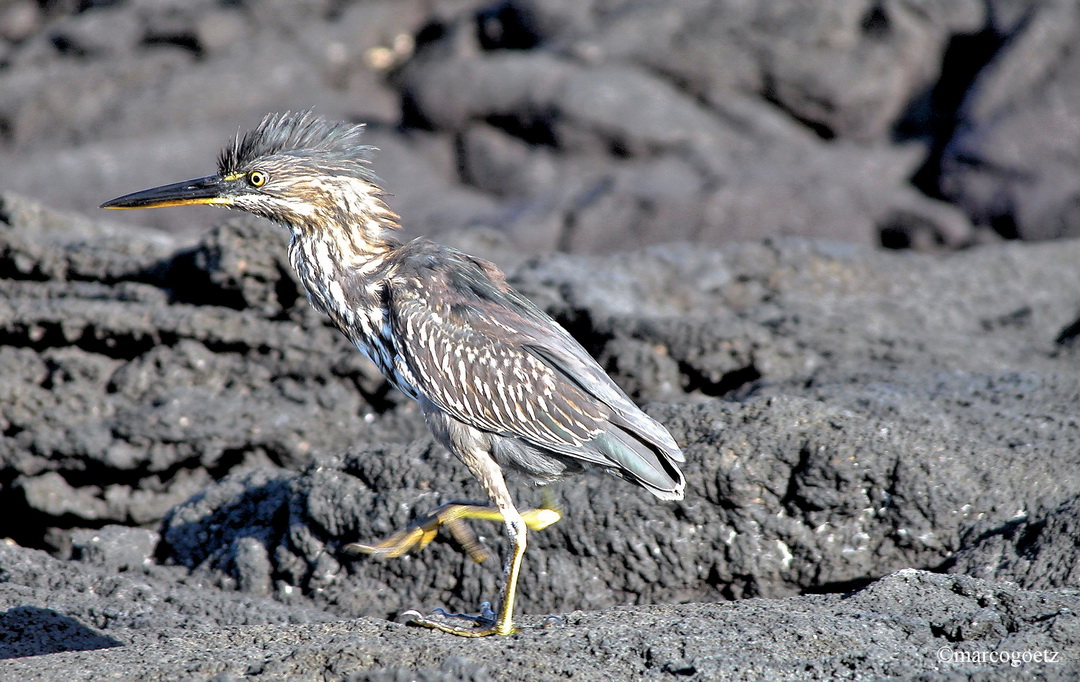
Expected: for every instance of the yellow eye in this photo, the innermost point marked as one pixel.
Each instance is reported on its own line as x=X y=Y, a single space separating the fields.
x=257 y=178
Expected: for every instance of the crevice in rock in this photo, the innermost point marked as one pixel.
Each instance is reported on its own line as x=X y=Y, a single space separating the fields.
x=184 y=41
x=535 y=130
x=696 y=381
x=504 y=26
x=936 y=115
x=841 y=586
x=769 y=94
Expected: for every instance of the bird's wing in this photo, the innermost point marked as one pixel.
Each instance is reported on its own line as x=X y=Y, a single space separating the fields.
x=491 y=359
x=477 y=369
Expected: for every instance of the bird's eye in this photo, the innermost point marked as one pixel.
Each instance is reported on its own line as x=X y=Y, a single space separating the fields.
x=257 y=178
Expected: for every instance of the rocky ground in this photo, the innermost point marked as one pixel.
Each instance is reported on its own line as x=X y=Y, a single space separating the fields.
x=882 y=445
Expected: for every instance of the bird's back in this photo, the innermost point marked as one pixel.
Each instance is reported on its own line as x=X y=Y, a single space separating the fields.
x=491 y=359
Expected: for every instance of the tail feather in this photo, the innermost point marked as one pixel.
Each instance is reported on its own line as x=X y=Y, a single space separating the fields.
x=643 y=463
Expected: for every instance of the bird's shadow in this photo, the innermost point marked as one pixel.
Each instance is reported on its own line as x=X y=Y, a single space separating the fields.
x=33 y=631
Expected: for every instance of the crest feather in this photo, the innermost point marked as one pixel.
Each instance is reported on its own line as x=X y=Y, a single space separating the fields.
x=301 y=134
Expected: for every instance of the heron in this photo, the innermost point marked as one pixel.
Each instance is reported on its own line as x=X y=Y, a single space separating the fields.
x=500 y=384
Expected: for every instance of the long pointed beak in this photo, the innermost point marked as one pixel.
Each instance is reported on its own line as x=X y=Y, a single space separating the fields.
x=208 y=190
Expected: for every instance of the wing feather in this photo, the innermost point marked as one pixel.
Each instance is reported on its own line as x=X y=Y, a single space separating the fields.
x=493 y=360
x=480 y=377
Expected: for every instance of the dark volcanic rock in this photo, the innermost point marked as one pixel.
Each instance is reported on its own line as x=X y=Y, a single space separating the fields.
x=885 y=404
x=909 y=625
x=845 y=414
x=575 y=125
x=1038 y=548
x=128 y=394
x=566 y=125
x=52 y=606
x=1011 y=163
x=785 y=495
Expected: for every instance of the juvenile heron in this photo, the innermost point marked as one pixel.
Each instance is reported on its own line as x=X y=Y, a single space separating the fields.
x=501 y=384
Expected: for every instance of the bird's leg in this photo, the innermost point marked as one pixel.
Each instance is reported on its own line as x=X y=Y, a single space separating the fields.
x=515 y=528
x=488 y=623
x=423 y=530
x=473 y=448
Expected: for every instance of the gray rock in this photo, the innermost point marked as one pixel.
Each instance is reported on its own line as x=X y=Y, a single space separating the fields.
x=1010 y=164
x=640 y=123
x=908 y=625
x=845 y=414
x=1034 y=550
x=117 y=547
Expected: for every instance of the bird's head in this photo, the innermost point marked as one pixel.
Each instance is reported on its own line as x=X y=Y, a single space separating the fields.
x=299 y=170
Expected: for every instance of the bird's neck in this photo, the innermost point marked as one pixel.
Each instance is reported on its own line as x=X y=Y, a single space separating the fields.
x=332 y=263
x=354 y=233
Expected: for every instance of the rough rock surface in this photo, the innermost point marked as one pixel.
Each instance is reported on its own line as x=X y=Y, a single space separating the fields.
x=845 y=414
x=908 y=625
x=883 y=452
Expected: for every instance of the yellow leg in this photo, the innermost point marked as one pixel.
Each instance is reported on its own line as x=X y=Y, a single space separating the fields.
x=503 y=624
x=423 y=530
x=474 y=448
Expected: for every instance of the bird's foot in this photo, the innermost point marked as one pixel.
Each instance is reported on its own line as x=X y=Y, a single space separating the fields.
x=418 y=534
x=468 y=625
x=461 y=624
x=423 y=530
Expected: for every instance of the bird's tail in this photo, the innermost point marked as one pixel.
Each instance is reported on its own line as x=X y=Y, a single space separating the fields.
x=653 y=467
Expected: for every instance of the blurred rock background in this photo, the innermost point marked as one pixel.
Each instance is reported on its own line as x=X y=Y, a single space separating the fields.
x=578 y=125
